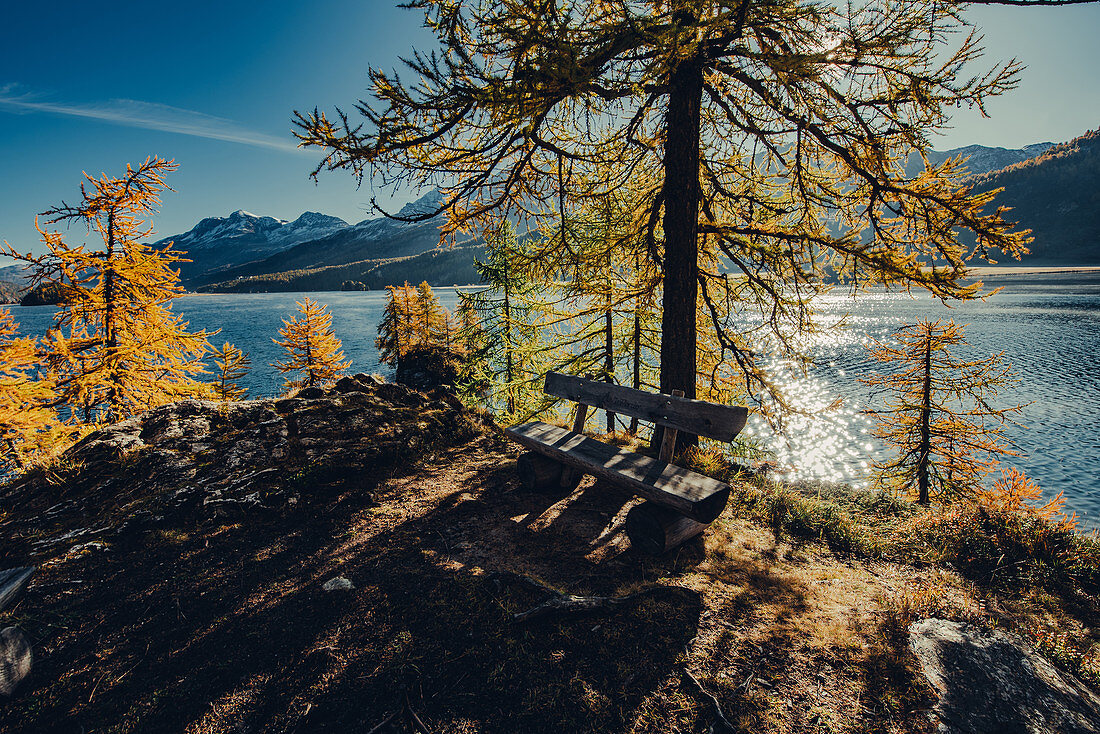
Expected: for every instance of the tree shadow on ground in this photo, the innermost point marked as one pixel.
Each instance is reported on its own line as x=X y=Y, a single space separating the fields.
x=225 y=627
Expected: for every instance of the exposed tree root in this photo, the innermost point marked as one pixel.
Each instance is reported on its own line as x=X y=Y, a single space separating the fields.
x=570 y=605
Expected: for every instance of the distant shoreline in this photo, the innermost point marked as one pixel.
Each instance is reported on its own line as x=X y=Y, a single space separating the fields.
x=1011 y=270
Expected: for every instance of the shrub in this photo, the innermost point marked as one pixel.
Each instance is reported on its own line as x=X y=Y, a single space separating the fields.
x=991 y=544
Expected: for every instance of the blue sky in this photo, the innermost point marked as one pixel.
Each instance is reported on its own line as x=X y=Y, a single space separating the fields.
x=214 y=84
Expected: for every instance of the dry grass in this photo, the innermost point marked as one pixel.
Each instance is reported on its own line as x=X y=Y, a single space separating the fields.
x=787 y=610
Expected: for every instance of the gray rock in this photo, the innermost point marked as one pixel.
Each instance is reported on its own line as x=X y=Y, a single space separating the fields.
x=352 y=384
x=227 y=458
x=15 y=659
x=368 y=380
x=339 y=583
x=992 y=681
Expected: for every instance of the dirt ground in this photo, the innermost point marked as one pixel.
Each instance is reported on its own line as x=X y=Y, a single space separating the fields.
x=223 y=626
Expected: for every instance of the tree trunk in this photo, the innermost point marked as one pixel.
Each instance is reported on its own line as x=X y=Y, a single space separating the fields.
x=925 y=427
x=681 y=229
x=114 y=392
x=511 y=402
x=609 y=355
x=636 y=340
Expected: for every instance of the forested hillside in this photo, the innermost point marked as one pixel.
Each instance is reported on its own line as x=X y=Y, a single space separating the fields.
x=454 y=266
x=1057 y=196
x=9 y=292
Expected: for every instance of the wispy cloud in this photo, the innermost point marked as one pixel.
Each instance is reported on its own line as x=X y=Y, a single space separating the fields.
x=146 y=115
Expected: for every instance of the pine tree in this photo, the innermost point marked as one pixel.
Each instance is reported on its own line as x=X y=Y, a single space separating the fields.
x=605 y=299
x=396 y=330
x=433 y=323
x=778 y=132
x=315 y=351
x=938 y=417
x=116 y=347
x=29 y=427
x=506 y=322
x=232 y=364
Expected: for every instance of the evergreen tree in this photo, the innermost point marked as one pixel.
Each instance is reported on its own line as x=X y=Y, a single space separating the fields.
x=29 y=428
x=605 y=301
x=396 y=330
x=417 y=333
x=505 y=323
x=779 y=131
x=938 y=417
x=433 y=321
x=232 y=364
x=116 y=347
x=315 y=351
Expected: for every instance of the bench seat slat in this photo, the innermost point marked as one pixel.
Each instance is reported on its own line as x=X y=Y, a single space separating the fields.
x=690 y=493
x=697 y=417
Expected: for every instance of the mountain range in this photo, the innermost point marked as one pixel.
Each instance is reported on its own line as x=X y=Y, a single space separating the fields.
x=1052 y=189
x=1057 y=196
x=217 y=243
x=982 y=159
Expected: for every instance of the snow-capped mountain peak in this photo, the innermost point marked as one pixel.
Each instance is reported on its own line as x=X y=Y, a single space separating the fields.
x=426 y=205
x=247 y=230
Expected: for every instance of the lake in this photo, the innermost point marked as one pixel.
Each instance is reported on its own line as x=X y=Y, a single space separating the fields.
x=1048 y=327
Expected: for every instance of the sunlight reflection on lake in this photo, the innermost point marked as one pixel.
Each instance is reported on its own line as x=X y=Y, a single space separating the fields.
x=1048 y=327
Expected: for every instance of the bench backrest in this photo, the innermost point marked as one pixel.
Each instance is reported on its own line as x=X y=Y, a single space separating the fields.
x=698 y=417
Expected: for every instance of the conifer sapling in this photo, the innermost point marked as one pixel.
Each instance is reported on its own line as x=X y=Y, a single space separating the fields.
x=315 y=351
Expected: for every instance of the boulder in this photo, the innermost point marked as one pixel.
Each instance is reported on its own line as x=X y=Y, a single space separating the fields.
x=338 y=583
x=15 y=659
x=989 y=682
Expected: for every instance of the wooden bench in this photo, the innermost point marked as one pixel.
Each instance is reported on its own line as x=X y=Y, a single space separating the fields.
x=679 y=502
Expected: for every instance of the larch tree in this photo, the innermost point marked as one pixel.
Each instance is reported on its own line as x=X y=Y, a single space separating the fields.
x=604 y=289
x=397 y=330
x=29 y=427
x=231 y=364
x=315 y=352
x=434 y=322
x=778 y=130
x=938 y=415
x=116 y=346
x=416 y=336
x=507 y=322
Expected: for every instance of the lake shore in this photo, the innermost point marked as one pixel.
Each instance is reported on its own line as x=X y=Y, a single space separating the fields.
x=1000 y=271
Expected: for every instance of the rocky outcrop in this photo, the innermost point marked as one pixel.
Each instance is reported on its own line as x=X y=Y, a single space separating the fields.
x=216 y=459
x=993 y=682
x=16 y=659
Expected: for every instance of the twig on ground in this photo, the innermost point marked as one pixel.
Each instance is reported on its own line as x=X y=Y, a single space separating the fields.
x=386 y=720
x=408 y=715
x=718 y=713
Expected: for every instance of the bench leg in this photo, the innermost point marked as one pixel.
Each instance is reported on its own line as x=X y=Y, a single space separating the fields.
x=541 y=473
x=655 y=529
